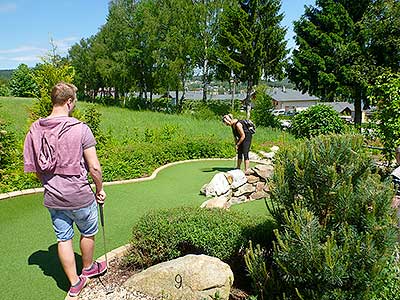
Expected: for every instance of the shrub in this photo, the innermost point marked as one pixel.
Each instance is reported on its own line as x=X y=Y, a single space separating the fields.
x=167 y=234
x=158 y=146
x=92 y=117
x=4 y=90
x=7 y=146
x=385 y=94
x=337 y=231
x=316 y=120
x=255 y=259
x=21 y=83
x=262 y=111
x=45 y=76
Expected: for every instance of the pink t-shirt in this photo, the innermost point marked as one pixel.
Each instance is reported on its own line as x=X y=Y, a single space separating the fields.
x=65 y=191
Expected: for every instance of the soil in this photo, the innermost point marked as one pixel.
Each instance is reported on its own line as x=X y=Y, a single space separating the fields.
x=110 y=286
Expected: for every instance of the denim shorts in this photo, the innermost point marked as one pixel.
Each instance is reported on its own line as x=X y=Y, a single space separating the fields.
x=85 y=219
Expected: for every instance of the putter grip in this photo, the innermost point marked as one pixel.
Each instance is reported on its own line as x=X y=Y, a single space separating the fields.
x=101 y=215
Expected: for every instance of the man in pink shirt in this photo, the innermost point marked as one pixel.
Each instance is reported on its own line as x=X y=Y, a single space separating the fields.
x=61 y=151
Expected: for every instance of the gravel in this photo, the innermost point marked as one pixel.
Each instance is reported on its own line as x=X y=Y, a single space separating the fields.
x=113 y=280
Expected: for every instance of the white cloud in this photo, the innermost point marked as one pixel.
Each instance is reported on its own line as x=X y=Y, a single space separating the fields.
x=22 y=49
x=64 y=44
x=25 y=59
x=30 y=55
x=8 y=7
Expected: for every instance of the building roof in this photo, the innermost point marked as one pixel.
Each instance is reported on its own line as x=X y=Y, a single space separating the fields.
x=282 y=94
x=340 y=106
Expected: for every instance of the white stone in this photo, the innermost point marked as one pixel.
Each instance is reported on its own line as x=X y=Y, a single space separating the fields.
x=239 y=178
x=218 y=185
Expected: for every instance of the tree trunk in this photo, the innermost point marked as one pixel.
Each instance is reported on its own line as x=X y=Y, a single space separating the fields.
x=357 y=107
x=232 y=87
x=183 y=88
x=205 y=79
x=248 y=98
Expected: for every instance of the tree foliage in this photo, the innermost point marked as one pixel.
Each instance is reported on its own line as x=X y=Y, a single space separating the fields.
x=47 y=74
x=342 y=46
x=152 y=46
x=262 y=111
x=385 y=94
x=21 y=83
x=251 y=42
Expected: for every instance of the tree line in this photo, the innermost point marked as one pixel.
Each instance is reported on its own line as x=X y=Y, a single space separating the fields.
x=155 y=46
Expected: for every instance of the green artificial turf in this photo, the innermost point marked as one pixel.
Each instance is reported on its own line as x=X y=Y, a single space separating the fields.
x=28 y=252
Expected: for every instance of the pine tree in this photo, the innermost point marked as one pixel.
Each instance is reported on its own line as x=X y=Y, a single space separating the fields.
x=337 y=229
x=251 y=42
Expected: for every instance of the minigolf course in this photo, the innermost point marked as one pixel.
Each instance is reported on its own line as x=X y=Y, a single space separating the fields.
x=28 y=252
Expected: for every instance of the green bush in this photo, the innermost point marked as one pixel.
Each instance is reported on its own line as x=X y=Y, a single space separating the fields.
x=136 y=158
x=385 y=94
x=316 y=120
x=46 y=75
x=4 y=90
x=255 y=259
x=262 y=111
x=337 y=231
x=21 y=83
x=166 y=234
x=7 y=145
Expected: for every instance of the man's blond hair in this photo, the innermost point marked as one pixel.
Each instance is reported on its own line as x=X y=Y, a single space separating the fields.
x=63 y=91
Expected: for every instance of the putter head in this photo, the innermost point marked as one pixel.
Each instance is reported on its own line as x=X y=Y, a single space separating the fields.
x=109 y=290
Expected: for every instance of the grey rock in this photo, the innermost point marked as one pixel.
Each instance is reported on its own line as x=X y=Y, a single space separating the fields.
x=191 y=277
x=244 y=189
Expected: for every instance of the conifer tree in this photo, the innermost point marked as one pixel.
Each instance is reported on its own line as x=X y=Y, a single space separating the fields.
x=337 y=231
x=251 y=42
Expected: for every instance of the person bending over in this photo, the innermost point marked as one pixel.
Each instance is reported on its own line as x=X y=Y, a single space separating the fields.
x=242 y=138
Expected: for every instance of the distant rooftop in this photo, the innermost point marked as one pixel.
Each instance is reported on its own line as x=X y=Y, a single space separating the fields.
x=340 y=106
x=284 y=94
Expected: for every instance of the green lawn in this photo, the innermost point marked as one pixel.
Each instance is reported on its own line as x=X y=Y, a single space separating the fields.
x=28 y=253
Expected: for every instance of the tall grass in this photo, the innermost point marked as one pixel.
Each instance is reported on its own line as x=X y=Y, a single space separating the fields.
x=15 y=111
x=123 y=123
x=134 y=143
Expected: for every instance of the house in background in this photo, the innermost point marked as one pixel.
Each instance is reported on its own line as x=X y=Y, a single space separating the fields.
x=291 y=100
x=344 y=109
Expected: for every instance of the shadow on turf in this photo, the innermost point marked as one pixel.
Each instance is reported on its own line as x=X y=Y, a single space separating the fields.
x=219 y=169
x=50 y=265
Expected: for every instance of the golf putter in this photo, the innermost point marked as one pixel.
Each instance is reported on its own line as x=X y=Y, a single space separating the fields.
x=108 y=289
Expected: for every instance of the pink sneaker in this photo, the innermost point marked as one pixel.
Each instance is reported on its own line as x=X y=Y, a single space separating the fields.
x=97 y=269
x=76 y=289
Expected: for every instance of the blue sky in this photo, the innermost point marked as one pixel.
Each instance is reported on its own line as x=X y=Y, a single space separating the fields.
x=27 y=26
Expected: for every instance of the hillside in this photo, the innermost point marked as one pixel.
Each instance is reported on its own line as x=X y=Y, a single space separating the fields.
x=6 y=74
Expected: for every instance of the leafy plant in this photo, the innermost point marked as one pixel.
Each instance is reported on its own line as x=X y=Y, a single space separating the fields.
x=7 y=146
x=4 y=90
x=316 y=120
